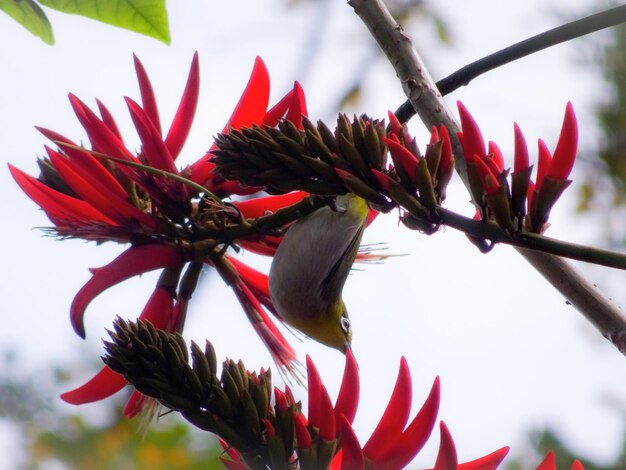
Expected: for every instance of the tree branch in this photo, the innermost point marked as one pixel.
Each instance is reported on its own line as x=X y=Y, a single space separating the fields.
x=423 y=94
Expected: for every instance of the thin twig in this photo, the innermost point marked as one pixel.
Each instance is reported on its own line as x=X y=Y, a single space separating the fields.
x=428 y=102
x=575 y=29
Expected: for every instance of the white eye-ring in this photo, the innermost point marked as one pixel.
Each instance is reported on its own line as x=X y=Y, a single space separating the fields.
x=345 y=325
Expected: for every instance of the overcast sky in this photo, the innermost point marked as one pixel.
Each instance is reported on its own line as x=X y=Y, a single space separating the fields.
x=512 y=356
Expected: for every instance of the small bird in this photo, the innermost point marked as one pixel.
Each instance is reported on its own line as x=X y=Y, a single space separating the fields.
x=310 y=269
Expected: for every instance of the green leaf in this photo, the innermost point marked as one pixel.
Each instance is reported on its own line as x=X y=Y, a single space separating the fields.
x=31 y=16
x=147 y=17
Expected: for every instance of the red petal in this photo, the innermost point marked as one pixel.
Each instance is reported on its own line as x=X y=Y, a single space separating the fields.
x=352 y=456
x=394 y=418
x=487 y=177
x=132 y=262
x=279 y=348
x=394 y=124
x=147 y=94
x=384 y=180
x=327 y=425
x=403 y=157
x=89 y=188
x=260 y=206
x=348 y=398
x=447 y=161
x=446 y=458
x=549 y=463
x=253 y=103
x=497 y=157
x=521 y=161
x=181 y=124
x=543 y=164
x=154 y=151
x=102 y=138
x=315 y=393
x=159 y=308
x=403 y=450
x=488 y=462
x=58 y=206
x=255 y=280
x=134 y=405
x=303 y=437
x=108 y=119
x=103 y=385
x=565 y=152
x=577 y=465
x=297 y=108
x=281 y=400
x=473 y=142
x=277 y=112
x=88 y=164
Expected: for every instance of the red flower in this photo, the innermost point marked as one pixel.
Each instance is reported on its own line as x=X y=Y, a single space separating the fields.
x=112 y=194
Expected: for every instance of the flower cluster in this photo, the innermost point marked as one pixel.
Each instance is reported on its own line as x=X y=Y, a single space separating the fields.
x=523 y=204
x=173 y=220
x=353 y=159
x=256 y=432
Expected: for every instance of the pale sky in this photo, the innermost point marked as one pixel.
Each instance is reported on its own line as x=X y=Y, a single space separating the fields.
x=512 y=356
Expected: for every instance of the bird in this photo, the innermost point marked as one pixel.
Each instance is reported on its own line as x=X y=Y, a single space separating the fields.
x=310 y=268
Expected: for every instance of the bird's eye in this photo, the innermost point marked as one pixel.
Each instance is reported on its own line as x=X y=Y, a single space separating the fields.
x=345 y=325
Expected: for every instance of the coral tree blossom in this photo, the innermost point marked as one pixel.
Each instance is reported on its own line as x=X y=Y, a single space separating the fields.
x=325 y=438
x=488 y=175
x=166 y=215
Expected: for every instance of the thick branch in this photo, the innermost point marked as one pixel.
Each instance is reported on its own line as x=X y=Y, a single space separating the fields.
x=421 y=90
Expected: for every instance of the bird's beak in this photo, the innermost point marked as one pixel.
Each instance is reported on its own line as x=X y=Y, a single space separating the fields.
x=348 y=347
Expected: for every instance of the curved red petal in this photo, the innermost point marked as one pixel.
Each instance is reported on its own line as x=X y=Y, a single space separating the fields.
x=255 y=280
x=181 y=124
x=297 y=107
x=394 y=418
x=303 y=437
x=89 y=165
x=577 y=465
x=103 y=385
x=521 y=161
x=543 y=164
x=134 y=405
x=351 y=456
x=132 y=262
x=154 y=151
x=549 y=463
x=565 y=152
x=89 y=188
x=108 y=118
x=402 y=157
x=58 y=206
x=253 y=103
x=327 y=424
x=260 y=206
x=348 y=399
x=472 y=141
x=488 y=462
x=394 y=124
x=403 y=450
x=278 y=111
x=147 y=94
x=446 y=458
x=497 y=157
x=315 y=393
x=447 y=160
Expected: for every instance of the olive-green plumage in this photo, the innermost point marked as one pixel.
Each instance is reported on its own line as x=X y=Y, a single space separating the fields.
x=310 y=269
